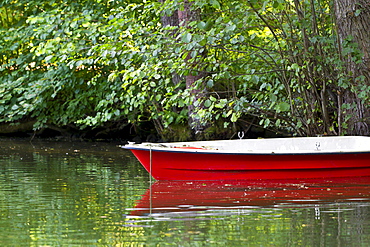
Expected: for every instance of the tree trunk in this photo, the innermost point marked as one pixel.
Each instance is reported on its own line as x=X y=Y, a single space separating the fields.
x=353 y=20
x=173 y=21
x=186 y=16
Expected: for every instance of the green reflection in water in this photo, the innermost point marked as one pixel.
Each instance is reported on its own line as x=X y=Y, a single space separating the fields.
x=263 y=227
x=85 y=194
x=65 y=194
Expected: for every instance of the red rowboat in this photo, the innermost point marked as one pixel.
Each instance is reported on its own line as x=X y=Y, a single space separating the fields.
x=278 y=158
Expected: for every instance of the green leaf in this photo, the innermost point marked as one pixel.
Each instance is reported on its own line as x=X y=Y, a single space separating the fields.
x=207 y=103
x=215 y=4
x=210 y=83
x=50 y=59
x=273 y=97
x=231 y=27
x=186 y=37
x=283 y=107
x=234 y=117
x=203 y=41
x=277 y=123
x=201 y=25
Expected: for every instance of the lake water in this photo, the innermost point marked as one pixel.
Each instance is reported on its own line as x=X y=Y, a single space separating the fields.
x=96 y=194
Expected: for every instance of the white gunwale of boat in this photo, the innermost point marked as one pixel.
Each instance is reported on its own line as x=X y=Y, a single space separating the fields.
x=291 y=145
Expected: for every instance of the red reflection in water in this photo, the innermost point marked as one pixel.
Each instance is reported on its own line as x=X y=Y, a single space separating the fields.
x=172 y=196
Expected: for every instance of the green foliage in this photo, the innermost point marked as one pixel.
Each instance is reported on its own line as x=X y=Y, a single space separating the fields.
x=277 y=61
x=86 y=63
x=47 y=70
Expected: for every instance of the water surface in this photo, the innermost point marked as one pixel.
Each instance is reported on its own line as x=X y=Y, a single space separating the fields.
x=96 y=194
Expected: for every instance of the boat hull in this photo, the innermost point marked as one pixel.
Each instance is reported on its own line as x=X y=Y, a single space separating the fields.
x=183 y=165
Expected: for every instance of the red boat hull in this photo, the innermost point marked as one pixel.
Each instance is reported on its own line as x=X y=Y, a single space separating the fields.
x=182 y=165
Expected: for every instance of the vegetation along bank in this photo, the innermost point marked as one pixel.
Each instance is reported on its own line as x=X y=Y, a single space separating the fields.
x=181 y=70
